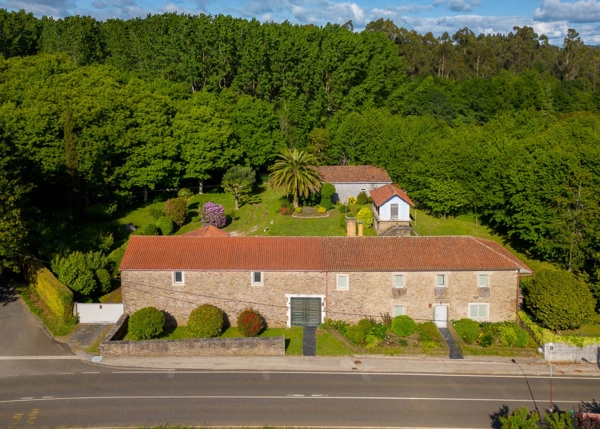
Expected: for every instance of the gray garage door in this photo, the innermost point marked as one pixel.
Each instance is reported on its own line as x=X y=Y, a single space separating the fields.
x=305 y=311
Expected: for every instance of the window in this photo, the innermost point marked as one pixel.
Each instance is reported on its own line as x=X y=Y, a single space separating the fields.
x=398 y=280
x=178 y=278
x=257 y=278
x=440 y=280
x=482 y=280
x=393 y=211
x=343 y=282
x=479 y=311
x=399 y=310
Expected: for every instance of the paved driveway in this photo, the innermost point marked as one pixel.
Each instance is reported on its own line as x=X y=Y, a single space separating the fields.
x=22 y=333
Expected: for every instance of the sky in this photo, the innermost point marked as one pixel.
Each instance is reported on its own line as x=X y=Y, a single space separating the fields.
x=550 y=17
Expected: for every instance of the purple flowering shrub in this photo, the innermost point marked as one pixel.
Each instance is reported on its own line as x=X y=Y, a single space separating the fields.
x=213 y=214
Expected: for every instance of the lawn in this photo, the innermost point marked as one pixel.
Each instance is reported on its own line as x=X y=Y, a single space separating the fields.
x=327 y=345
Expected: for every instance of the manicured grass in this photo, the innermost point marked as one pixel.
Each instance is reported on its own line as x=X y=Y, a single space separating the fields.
x=585 y=331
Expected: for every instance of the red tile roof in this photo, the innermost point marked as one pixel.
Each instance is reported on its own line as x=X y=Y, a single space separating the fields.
x=207 y=231
x=384 y=193
x=352 y=254
x=353 y=174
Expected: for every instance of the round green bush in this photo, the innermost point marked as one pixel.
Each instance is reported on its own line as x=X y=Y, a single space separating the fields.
x=467 y=329
x=104 y=280
x=512 y=335
x=522 y=337
x=428 y=331
x=146 y=323
x=206 y=321
x=486 y=339
x=250 y=323
x=362 y=198
x=165 y=225
x=150 y=229
x=379 y=330
x=365 y=325
x=355 y=334
x=403 y=326
x=365 y=215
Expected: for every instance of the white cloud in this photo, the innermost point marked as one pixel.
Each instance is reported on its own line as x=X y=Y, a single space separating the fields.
x=580 y=11
x=53 y=8
x=459 y=6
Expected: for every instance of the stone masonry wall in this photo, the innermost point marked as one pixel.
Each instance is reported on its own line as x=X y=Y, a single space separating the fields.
x=370 y=294
x=113 y=346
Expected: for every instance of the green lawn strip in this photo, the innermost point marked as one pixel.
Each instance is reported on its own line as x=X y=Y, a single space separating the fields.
x=584 y=331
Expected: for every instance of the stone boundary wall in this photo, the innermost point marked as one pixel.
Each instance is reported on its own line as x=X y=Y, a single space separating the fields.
x=565 y=353
x=112 y=345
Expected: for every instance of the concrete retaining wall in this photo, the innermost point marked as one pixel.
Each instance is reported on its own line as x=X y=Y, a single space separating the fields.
x=113 y=346
x=560 y=352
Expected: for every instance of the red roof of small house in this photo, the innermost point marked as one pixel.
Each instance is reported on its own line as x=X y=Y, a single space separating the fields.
x=207 y=231
x=353 y=174
x=384 y=193
x=352 y=254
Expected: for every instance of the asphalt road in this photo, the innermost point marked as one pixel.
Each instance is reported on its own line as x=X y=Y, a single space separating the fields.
x=114 y=398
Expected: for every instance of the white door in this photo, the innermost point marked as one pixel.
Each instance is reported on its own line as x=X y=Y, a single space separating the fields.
x=440 y=315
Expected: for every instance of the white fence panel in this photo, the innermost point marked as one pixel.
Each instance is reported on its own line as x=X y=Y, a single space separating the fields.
x=99 y=313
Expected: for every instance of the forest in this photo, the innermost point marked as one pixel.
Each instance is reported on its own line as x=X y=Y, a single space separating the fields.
x=96 y=116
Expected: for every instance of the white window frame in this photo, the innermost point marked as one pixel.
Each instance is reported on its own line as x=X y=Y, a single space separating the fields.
x=472 y=305
x=253 y=281
x=444 y=278
x=398 y=275
x=480 y=277
x=343 y=287
x=178 y=283
x=401 y=313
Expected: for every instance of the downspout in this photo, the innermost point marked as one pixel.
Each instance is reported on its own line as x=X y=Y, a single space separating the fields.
x=517 y=299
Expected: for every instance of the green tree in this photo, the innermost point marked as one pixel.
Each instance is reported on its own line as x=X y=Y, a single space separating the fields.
x=84 y=273
x=13 y=230
x=238 y=180
x=294 y=173
x=176 y=210
x=559 y=300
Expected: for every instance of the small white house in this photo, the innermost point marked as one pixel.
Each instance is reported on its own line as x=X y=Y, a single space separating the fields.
x=350 y=180
x=391 y=208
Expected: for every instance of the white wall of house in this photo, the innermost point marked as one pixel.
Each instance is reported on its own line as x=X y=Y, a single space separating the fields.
x=403 y=209
x=345 y=190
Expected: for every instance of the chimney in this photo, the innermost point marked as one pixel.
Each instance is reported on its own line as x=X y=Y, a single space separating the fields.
x=351 y=226
x=360 y=228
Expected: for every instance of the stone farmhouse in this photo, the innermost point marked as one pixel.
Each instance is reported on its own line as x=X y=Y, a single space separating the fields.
x=350 y=180
x=300 y=281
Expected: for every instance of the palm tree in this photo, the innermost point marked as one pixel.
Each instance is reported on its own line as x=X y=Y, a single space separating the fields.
x=294 y=173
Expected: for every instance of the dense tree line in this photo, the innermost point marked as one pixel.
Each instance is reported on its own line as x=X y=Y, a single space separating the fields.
x=95 y=115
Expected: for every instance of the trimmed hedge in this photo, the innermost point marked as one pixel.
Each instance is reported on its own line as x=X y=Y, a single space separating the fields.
x=146 y=323
x=206 y=321
x=55 y=295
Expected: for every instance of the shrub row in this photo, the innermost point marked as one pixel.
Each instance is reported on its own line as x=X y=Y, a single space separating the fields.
x=507 y=334
x=205 y=321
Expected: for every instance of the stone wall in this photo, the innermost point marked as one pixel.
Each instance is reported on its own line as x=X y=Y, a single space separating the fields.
x=565 y=353
x=272 y=346
x=370 y=294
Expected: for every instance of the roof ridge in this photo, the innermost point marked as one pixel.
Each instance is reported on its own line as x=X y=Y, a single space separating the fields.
x=512 y=258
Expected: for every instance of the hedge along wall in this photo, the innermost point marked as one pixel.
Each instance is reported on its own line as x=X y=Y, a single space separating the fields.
x=57 y=297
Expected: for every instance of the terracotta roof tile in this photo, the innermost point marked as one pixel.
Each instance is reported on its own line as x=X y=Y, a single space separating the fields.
x=385 y=193
x=353 y=174
x=350 y=254
x=207 y=231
